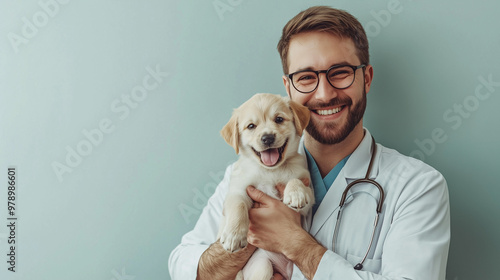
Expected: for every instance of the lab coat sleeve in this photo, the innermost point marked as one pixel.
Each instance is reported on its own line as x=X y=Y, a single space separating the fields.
x=183 y=261
x=416 y=246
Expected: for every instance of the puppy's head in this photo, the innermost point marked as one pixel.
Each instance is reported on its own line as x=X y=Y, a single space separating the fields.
x=266 y=128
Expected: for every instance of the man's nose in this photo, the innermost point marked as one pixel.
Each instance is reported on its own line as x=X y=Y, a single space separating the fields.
x=325 y=92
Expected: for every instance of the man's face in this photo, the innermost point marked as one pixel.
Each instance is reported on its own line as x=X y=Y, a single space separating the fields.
x=334 y=112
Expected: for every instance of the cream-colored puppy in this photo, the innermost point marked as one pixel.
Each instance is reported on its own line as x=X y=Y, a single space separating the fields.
x=265 y=131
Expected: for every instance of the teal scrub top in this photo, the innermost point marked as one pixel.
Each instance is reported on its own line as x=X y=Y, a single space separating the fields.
x=322 y=185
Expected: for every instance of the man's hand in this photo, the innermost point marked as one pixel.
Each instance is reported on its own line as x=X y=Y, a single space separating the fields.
x=275 y=227
x=271 y=222
x=217 y=263
x=278 y=276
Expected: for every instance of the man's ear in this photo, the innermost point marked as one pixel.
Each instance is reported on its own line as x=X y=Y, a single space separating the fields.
x=301 y=115
x=230 y=132
x=368 y=77
x=286 y=83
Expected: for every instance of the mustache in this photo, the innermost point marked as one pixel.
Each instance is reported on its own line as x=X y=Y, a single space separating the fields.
x=315 y=105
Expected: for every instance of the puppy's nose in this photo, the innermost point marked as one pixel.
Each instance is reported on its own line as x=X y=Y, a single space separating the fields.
x=268 y=139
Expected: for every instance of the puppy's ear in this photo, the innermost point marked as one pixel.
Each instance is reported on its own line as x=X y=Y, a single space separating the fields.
x=301 y=115
x=230 y=132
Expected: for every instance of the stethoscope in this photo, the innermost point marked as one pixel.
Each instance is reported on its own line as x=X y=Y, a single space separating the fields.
x=367 y=179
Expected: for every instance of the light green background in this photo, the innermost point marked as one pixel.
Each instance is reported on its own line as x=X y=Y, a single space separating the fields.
x=125 y=206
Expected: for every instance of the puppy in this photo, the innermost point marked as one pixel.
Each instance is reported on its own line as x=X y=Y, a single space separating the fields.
x=265 y=131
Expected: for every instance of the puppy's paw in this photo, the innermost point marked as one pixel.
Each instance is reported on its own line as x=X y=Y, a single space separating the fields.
x=234 y=238
x=297 y=196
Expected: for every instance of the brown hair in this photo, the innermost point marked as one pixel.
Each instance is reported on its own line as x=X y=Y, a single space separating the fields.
x=327 y=19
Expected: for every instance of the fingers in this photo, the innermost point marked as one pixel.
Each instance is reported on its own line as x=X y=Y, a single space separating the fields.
x=218 y=249
x=306 y=181
x=278 y=276
x=281 y=189
x=258 y=196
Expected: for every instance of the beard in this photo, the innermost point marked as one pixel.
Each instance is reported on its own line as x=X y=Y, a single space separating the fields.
x=333 y=133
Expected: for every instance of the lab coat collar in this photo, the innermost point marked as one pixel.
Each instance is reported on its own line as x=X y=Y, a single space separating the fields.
x=307 y=220
x=355 y=168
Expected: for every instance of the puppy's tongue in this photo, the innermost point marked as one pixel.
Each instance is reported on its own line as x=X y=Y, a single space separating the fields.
x=270 y=157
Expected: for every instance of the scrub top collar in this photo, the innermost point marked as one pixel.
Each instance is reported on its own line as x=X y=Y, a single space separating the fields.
x=355 y=168
x=320 y=184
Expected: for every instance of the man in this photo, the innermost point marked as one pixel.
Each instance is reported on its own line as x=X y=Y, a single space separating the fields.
x=325 y=59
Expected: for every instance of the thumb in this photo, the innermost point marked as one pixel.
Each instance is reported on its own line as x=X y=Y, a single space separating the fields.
x=278 y=276
x=257 y=195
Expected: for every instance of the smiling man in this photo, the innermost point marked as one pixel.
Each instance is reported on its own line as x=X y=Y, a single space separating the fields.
x=324 y=53
x=337 y=101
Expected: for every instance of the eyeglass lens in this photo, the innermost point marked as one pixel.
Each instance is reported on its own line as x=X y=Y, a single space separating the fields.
x=339 y=77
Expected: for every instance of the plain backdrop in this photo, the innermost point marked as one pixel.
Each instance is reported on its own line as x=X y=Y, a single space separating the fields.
x=111 y=111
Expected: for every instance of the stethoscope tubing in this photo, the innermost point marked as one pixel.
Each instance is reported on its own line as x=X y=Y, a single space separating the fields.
x=380 y=203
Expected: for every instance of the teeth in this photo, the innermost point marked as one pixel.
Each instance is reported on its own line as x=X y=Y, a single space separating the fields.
x=329 y=112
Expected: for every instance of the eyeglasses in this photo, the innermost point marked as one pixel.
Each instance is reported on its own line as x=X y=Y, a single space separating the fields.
x=338 y=76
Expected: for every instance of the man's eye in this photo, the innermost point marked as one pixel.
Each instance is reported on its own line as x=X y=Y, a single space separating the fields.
x=340 y=74
x=306 y=77
x=251 y=126
x=278 y=120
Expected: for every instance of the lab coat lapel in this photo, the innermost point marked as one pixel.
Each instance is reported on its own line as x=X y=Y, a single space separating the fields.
x=355 y=168
x=357 y=165
x=329 y=204
x=307 y=220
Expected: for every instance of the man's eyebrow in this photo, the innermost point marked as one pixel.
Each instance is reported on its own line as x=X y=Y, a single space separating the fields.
x=303 y=69
x=312 y=69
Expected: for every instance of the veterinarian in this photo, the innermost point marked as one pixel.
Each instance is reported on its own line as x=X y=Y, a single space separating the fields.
x=325 y=59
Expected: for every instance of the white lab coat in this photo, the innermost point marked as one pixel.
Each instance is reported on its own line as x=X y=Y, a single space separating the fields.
x=411 y=240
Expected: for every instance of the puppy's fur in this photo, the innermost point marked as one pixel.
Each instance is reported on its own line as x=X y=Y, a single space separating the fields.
x=265 y=131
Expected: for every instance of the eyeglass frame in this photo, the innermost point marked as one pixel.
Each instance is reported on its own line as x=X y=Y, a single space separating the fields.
x=354 y=68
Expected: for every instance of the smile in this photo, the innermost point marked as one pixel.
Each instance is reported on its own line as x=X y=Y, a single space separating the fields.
x=330 y=111
x=271 y=157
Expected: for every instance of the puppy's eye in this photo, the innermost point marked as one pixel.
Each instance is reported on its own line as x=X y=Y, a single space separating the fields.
x=251 y=126
x=279 y=120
